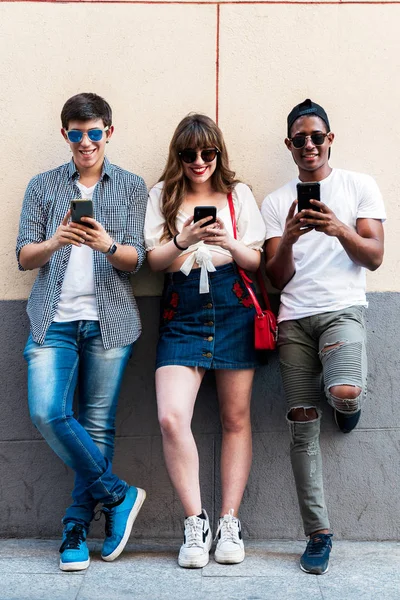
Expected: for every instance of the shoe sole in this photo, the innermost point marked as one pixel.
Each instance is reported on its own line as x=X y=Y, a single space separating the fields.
x=229 y=559
x=75 y=566
x=199 y=561
x=140 y=498
x=314 y=571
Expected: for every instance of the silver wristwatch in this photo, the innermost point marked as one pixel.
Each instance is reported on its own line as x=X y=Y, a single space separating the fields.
x=112 y=249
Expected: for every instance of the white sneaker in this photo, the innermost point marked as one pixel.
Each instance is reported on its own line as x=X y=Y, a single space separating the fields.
x=197 y=542
x=230 y=549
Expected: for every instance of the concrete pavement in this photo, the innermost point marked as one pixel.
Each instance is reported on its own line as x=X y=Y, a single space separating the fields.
x=147 y=570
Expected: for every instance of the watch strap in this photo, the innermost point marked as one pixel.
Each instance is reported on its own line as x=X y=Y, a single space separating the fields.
x=112 y=249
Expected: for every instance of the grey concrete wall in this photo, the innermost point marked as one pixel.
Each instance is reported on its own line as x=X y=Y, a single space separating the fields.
x=361 y=469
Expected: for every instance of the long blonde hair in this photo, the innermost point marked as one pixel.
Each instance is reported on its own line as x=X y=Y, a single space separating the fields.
x=194 y=131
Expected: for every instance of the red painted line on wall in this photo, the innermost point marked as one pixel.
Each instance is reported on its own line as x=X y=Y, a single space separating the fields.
x=217 y=71
x=214 y=3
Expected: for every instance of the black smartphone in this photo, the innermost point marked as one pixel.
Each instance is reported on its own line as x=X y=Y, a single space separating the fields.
x=307 y=192
x=81 y=208
x=201 y=212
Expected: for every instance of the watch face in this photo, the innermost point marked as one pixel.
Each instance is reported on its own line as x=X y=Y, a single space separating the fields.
x=112 y=250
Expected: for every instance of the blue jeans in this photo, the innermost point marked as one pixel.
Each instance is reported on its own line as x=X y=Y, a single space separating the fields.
x=73 y=355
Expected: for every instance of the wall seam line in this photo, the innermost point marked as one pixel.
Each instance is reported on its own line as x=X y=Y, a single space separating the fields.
x=212 y=2
x=217 y=68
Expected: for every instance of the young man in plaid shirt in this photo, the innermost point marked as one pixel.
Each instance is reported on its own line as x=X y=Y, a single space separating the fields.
x=84 y=319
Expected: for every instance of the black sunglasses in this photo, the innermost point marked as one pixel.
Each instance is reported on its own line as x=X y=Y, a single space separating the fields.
x=188 y=155
x=317 y=139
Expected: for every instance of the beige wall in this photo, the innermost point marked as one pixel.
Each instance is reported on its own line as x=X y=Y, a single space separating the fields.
x=155 y=63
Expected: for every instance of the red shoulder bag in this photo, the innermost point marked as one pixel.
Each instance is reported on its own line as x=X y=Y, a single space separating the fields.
x=265 y=327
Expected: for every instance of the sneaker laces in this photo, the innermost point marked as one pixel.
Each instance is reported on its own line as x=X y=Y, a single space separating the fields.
x=193 y=531
x=109 y=519
x=73 y=538
x=228 y=528
x=318 y=543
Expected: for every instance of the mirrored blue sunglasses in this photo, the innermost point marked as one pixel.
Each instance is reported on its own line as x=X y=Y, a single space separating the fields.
x=76 y=135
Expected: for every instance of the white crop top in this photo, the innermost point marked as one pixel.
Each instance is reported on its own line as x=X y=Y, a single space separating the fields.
x=250 y=226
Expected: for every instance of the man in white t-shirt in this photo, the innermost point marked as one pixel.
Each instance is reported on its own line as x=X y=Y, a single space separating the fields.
x=317 y=257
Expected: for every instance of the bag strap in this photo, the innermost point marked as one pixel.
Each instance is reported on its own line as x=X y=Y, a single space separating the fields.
x=246 y=279
x=263 y=289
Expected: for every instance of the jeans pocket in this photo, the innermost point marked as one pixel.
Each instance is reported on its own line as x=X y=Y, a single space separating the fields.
x=359 y=313
x=29 y=346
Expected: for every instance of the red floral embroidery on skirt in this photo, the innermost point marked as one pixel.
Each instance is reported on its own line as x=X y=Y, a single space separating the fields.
x=240 y=295
x=174 y=299
x=169 y=312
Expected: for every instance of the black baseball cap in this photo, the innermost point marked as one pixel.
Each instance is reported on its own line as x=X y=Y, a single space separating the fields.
x=308 y=107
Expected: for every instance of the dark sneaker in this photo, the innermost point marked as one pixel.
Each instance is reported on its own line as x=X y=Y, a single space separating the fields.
x=347 y=423
x=74 y=551
x=315 y=559
x=197 y=541
x=119 y=522
x=230 y=549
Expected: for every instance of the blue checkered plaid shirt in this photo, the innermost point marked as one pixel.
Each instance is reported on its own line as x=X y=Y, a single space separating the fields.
x=119 y=204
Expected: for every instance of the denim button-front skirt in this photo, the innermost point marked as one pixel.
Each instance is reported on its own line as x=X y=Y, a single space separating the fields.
x=213 y=330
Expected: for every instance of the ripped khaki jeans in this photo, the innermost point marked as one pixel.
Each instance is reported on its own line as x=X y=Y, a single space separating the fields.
x=317 y=353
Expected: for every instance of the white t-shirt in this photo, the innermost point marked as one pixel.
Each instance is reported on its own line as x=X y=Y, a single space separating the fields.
x=326 y=279
x=78 y=298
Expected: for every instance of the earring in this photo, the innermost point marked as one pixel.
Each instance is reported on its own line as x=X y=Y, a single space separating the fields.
x=108 y=141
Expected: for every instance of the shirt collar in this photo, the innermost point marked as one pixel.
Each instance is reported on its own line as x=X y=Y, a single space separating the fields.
x=107 y=169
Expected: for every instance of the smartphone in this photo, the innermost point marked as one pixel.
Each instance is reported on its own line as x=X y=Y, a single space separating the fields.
x=307 y=192
x=201 y=212
x=81 y=208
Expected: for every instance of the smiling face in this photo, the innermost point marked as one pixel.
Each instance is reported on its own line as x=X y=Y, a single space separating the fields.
x=311 y=160
x=88 y=156
x=199 y=171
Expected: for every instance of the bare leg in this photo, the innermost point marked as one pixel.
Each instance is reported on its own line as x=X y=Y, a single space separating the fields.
x=177 y=388
x=234 y=394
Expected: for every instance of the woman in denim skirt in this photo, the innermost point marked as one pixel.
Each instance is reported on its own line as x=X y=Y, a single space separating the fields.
x=207 y=322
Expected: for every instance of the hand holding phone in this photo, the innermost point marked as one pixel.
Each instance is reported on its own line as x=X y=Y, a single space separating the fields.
x=201 y=212
x=81 y=208
x=307 y=192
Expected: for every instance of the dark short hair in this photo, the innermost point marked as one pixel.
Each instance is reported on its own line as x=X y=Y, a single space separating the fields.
x=84 y=107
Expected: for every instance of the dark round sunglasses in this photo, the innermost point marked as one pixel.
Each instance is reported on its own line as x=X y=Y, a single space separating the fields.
x=76 y=135
x=188 y=155
x=317 y=139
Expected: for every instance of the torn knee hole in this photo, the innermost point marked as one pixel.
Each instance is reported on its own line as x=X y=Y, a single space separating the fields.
x=302 y=414
x=345 y=392
x=345 y=398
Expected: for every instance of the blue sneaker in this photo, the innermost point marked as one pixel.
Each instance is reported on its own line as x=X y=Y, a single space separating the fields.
x=315 y=559
x=74 y=550
x=347 y=423
x=119 y=522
